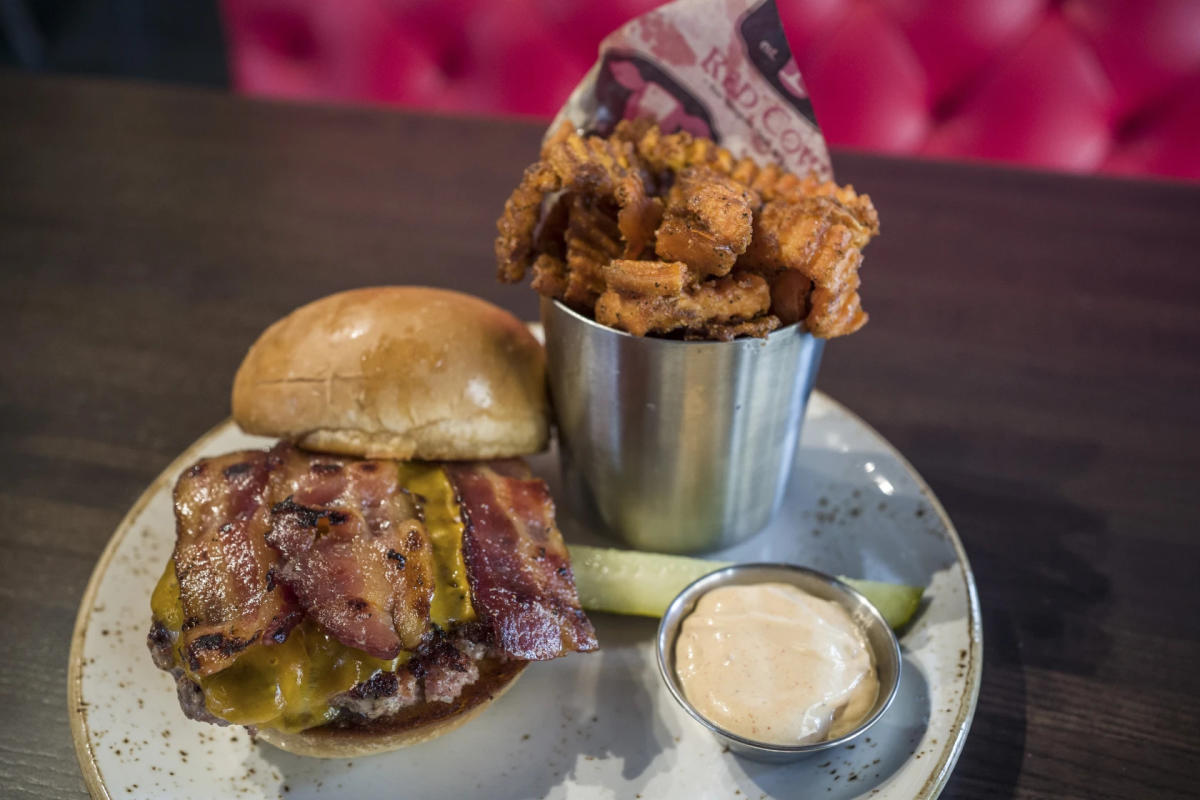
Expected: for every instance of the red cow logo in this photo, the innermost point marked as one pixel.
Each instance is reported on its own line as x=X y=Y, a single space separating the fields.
x=649 y=99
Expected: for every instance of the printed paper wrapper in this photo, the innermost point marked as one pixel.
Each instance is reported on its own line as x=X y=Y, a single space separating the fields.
x=715 y=68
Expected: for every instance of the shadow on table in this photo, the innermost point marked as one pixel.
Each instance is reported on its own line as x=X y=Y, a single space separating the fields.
x=1037 y=558
x=992 y=759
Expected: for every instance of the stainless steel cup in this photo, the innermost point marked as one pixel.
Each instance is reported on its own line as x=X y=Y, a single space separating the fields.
x=678 y=446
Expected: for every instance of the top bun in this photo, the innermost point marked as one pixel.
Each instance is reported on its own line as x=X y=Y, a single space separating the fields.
x=397 y=372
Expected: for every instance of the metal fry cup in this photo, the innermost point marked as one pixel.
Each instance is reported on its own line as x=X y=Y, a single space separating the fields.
x=677 y=446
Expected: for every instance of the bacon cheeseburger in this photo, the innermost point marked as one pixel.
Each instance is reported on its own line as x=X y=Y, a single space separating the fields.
x=356 y=603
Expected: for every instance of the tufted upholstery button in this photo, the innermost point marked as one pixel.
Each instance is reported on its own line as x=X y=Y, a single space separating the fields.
x=1166 y=143
x=811 y=23
x=284 y=31
x=1070 y=84
x=881 y=89
x=1048 y=106
x=520 y=66
x=1144 y=47
x=953 y=41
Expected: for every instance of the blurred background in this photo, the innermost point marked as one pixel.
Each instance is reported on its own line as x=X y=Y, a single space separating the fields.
x=1080 y=85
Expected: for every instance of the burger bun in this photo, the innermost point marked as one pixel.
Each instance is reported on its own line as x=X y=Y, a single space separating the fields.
x=397 y=372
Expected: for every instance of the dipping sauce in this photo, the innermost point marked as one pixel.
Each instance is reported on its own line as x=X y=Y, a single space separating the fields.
x=772 y=663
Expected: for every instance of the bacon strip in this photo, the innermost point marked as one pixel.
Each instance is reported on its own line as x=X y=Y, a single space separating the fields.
x=223 y=564
x=265 y=537
x=356 y=556
x=517 y=564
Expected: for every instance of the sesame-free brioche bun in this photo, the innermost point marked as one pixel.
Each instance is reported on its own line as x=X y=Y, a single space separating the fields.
x=411 y=726
x=397 y=372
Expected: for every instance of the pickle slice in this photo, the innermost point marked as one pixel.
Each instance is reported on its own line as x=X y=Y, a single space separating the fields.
x=895 y=601
x=644 y=584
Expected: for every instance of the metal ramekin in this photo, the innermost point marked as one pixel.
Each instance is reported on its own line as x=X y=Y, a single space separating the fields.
x=885 y=647
x=678 y=446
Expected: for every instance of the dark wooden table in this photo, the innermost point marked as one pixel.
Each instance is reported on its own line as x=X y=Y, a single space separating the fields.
x=1034 y=350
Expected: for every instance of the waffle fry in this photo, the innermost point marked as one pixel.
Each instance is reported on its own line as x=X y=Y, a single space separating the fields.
x=592 y=239
x=708 y=221
x=678 y=151
x=549 y=276
x=789 y=296
x=725 y=332
x=514 y=245
x=607 y=168
x=836 y=313
x=651 y=278
x=669 y=234
x=718 y=302
x=817 y=237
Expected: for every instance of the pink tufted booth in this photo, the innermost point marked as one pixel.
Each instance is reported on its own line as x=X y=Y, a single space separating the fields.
x=1111 y=85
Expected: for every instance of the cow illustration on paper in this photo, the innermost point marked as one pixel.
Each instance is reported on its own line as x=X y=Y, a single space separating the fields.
x=629 y=87
x=767 y=49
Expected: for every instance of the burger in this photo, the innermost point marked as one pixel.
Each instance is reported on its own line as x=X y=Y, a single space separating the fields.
x=390 y=566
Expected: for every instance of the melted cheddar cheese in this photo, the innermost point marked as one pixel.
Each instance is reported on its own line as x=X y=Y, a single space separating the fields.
x=443 y=521
x=287 y=686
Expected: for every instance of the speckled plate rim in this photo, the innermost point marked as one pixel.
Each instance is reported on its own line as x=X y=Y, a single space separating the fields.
x=79 y=729
x=970 y=696
x=932 y=788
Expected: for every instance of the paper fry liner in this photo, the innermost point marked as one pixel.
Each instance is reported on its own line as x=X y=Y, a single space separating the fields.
x=715 y=68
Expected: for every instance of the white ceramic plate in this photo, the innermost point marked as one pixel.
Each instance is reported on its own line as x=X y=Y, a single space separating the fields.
x=585 y=726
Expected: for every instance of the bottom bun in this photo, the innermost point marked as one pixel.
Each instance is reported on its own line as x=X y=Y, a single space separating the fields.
x=413 y=725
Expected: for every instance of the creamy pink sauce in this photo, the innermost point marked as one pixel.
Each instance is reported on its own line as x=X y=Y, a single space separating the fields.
x=772 y=663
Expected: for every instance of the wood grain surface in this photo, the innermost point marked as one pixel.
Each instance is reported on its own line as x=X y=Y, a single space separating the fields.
x=1034 y=349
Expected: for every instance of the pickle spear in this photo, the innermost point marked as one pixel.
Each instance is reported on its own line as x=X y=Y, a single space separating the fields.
x=644 y=584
